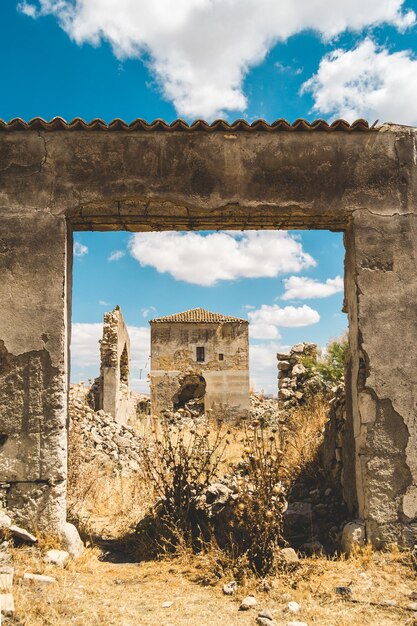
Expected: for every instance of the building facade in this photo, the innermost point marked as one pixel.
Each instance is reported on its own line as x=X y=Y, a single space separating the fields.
x=199 y=360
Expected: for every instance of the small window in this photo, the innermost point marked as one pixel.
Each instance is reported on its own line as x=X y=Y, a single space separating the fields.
x=200 y=355
x=221 y=357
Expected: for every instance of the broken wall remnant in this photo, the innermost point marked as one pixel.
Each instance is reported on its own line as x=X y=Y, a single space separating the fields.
x=112 y=391
x=295 y=383
x=57 y=177
x=199 y=361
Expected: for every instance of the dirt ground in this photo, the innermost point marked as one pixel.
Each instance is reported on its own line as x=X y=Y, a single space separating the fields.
x=92 y=592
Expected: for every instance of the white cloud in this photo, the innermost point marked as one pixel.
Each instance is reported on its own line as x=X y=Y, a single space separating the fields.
x=263 y=366
x=147 y=311
x=104 y=303
x=266 y=321
x=85 y=356
x=201 y=50
x=116 y=255
x=303 y=288
x=208 y=259
x=80 y=249
x=368 y=82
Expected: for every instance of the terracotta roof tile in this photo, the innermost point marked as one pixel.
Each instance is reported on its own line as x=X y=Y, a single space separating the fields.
x=196 y=316
x=57 y=123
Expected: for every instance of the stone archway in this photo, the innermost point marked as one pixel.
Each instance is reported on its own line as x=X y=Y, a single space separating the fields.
x=58 y=177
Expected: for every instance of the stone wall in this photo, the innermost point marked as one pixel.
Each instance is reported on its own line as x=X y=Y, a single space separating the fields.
x=112 y=392
x=57 y=177
x=294 y=382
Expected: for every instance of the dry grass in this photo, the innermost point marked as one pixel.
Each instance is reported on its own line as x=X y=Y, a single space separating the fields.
x=91 y=592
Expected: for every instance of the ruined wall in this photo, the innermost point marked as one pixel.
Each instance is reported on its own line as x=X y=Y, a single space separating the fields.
x=293 y=383
x=173 y=355
x=33 y=367
x=114 y=395
x=381 y=294
x=58 y=177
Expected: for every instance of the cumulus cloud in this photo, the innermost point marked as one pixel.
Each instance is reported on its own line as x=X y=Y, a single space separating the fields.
x=201 y=50
x=368 y=81
x=263 y=366
x=207 y=259
x=264 y=323
x=116 y=255
x=303 y=288
x=80 y=249
x=85 y=357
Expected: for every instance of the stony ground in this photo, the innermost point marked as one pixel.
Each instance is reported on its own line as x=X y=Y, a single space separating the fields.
x=107 y=500
x=90 y=592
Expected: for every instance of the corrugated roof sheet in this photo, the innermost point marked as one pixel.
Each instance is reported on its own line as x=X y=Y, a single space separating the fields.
x=57 y=123
x=197 y=316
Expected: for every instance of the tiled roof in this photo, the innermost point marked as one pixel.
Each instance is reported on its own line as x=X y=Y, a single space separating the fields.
x=197 y=316
x=57 y=123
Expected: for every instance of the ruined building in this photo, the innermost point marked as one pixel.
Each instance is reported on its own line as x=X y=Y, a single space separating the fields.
x=199 y=360
x=111 y=388
x=353 y=178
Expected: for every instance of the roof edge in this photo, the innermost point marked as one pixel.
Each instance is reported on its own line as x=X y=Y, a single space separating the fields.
x=179 y=125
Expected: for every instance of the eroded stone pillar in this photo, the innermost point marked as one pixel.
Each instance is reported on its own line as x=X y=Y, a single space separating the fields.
x=381 y=295
x=33 y=368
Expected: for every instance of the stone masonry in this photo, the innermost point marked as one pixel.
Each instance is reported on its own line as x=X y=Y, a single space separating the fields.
x=292 y=384
x=57 y=177
x=200 y=356
x=112 y=392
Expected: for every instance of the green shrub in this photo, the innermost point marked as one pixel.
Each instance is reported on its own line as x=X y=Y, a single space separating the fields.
x=329 y=367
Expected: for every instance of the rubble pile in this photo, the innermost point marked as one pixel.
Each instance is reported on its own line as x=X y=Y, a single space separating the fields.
x=101 y=436
x=296 y=381
x=265 y=410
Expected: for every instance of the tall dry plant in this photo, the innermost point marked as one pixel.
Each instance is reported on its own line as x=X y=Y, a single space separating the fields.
x=257 y=529
x=178 y=465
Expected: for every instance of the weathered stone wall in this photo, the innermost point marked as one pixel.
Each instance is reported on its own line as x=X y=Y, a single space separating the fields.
x=294 y=384
x=33 y=367
x=114 y=395
x=173 y=355
x=364 y=183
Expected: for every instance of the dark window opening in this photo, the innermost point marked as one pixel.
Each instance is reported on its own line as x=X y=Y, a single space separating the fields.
x=200 y=355
x=221 y=357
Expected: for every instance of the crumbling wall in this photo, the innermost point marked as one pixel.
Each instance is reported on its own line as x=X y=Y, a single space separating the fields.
x=154 y=177
x=173 y=356
x=113 y=393
x=295 y=383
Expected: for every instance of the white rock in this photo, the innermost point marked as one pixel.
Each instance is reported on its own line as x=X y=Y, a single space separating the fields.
x=289 y=555
x=71 y=540
x=6 y=578
x=293 y=607
x=5 y=521
x=22 y=534
x=353 y=535
x=297 y=624
x=39 y=578
x=166 y=605
x=57 y=557
x=299 y=347
x=230 y=588
x=247 y=603
x=6 y=604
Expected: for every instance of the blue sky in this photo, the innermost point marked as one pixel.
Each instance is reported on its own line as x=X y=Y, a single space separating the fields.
x=209 y=58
